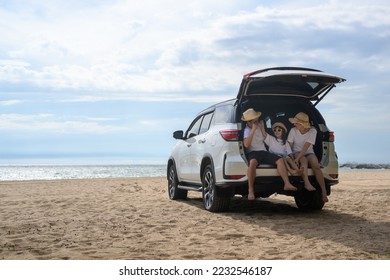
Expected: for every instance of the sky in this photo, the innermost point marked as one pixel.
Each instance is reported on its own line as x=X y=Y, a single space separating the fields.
x=109 y=81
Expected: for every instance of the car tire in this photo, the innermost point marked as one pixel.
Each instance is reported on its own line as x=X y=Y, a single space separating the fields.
x=173 y=191
x=309 y=200
x=214 y=199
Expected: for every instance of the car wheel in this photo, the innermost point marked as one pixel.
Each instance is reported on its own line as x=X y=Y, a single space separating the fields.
x=309 y=200
x=173 y=191
x=214 y=199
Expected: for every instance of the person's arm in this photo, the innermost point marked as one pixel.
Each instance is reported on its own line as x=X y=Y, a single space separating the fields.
x=302 y=153
x=263 y=129
x=288 y=149
x=248 y=140
x=309 y=142
x=290 y=143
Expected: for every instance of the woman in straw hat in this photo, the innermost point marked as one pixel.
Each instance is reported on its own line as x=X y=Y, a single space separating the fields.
x=302 y=137
x=257 y=152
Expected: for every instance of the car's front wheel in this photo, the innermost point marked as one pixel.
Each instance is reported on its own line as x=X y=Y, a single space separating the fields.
x=309 y=200
x=214 y=199
x=173 y=191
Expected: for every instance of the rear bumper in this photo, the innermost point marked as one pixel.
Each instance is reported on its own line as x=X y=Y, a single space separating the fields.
x=234 y=166
x=234 y=170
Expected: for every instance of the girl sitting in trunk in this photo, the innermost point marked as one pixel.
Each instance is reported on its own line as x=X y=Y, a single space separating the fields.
x=277 y=144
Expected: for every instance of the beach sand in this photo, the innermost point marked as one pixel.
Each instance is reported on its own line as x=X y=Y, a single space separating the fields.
x=134 y=219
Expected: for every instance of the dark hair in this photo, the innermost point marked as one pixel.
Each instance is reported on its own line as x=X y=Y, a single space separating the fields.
x=284 y=135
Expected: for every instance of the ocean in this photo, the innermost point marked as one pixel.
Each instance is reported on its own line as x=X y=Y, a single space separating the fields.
x=90 y=171
x=54 y=172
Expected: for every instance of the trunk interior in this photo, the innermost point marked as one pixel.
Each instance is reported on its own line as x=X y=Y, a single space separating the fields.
x=276 y=109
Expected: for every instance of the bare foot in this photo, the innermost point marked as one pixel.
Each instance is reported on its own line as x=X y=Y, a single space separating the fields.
x=251 y=196
x=310 y=188
x=289 y=187
x=325 y=198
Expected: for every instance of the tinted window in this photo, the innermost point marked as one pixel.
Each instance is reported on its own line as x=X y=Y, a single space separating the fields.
x=223 y=114
x=194 y=128
x=205 y=123
x=300 y=85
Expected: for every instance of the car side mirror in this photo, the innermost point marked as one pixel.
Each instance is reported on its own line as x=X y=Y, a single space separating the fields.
x=178 y=134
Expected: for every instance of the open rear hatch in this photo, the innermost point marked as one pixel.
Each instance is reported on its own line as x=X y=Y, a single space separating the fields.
x=306 y=83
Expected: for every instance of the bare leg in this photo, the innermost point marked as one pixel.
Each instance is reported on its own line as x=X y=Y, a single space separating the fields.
x=251 y=178
x=315 y=166
x=290 y=170
x=282 y=169
x=292 y=167
x=308 y=186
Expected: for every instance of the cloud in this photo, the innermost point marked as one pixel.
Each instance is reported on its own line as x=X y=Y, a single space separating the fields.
x=66 y=63
x=152 y=97
x=120 y=47
x=51 y=124
x=10 y=102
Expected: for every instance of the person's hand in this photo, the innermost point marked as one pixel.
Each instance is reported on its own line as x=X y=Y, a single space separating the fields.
x=262 y=122
x=255 y=125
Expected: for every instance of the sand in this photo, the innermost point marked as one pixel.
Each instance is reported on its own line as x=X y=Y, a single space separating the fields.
x=133 y=218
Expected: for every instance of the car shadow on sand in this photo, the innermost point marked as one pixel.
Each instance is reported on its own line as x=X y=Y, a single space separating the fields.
x=348 y=229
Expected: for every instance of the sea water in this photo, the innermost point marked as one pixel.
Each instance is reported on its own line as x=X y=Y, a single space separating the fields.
x=52 y=172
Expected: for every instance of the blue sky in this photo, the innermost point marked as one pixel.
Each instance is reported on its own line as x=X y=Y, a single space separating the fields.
x=111 y=80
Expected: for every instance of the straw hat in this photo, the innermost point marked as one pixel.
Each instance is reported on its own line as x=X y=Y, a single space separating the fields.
x=301 y=118
x=250 y=114
x=280 y=125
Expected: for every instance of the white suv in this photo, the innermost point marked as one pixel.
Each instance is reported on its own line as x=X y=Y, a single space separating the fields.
x=210 y=157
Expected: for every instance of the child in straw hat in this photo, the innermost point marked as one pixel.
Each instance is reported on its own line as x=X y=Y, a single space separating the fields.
x=257 y=152
x=277 y=144
x=302 y=137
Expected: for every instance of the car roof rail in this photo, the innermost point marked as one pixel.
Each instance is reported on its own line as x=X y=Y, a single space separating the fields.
x=280 y=68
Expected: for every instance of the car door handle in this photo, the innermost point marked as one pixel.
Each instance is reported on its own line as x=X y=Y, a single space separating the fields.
x=202 y=141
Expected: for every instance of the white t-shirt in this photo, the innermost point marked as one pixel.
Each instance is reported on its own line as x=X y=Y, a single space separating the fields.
x=257 y=141
x=298 y=140
x=276 y=146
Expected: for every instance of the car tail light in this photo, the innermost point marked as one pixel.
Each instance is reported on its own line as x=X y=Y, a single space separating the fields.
x=230 y=134
x=331 y=136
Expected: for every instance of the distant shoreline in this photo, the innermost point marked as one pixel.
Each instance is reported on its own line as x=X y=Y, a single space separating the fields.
x=366 y=165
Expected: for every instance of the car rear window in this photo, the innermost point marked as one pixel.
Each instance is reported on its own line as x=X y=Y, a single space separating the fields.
x=291 y=85
x=223 y=114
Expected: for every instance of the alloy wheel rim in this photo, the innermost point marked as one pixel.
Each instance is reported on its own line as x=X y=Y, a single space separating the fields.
x=208 y=190
x=171 y=182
